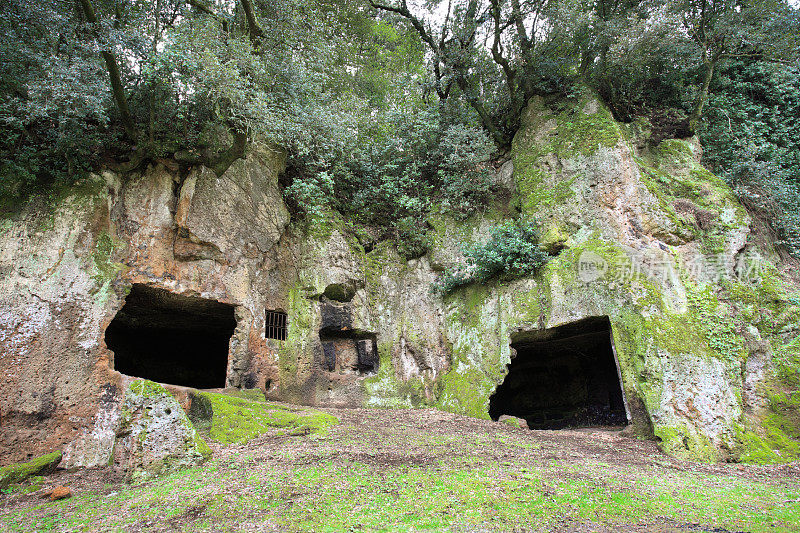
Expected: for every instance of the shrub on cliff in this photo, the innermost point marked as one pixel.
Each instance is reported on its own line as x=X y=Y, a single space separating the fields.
x=466 y=176
x=512 y=251
x=752 y=139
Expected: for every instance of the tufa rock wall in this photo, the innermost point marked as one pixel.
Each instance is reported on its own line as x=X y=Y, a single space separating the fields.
x=704 y=330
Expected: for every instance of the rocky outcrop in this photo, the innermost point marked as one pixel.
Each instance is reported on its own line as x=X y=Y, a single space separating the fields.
x=640 y=234
x=68 y=266
x=154 y=436
x=240 y=213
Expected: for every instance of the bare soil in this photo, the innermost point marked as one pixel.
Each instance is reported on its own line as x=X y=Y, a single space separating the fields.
x=359 y=476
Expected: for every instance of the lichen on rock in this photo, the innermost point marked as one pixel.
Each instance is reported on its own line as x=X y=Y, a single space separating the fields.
x=155 y=437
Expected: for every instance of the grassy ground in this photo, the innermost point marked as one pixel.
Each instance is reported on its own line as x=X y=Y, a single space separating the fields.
x=426 y=471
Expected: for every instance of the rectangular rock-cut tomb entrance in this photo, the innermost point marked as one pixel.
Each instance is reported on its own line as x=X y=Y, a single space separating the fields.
x=172 y=338
x=565 y=376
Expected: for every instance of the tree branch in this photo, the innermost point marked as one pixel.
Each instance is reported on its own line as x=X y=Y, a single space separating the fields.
x=497 y=52
x=117 y=88
x=208 y=10
x=403 y=11
x=253 y=28
x=200 y=6
x=519 y=22
x=455 y=61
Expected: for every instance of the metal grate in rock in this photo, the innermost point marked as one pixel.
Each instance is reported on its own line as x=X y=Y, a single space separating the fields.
x=276 y=325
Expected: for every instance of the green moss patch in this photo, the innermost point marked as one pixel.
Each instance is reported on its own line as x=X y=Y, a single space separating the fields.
x=715 y=321
x=698 y=202
x=578 y=129
x=231 y=420
x=19 y=472
x=32 y=484
x=253 y=395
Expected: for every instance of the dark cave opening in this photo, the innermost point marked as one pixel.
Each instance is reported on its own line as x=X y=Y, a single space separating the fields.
x=561 y=377
x=345 y=349
x=349 y=352
x=172 y=338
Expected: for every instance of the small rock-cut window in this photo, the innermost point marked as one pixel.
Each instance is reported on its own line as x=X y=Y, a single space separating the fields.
x=276 y=325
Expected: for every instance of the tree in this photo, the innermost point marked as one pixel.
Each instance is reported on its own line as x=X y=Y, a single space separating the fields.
x=751 y=137
x=518 y=36
x=728 y=29
x=113 y=73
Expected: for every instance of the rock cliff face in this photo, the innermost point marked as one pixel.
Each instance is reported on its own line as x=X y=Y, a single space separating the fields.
x=701 y=335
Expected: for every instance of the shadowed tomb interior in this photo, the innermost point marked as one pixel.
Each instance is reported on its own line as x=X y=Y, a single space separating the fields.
x=563 y=377
x=171 y=338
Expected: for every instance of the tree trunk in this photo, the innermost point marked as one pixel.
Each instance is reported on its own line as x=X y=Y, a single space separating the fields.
x=237 y=149
x=253 y=28
x=152 y=100
x=116 y=82
x=499 y=137
x=702 y=98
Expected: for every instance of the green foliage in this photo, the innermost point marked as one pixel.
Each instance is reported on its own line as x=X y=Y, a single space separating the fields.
x=393 y=176
x=412 y=240
x=512 y=251
x=311 y=195
x=307 y=81
x=464 y=172
x=53 y=98
x=385 y=112
x=752 y=139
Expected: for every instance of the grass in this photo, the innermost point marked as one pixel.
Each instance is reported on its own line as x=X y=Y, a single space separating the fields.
x=382 y=474
x=345 y=496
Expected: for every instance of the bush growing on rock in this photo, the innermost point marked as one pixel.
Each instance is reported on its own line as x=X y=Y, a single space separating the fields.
x=463 y=169
x=511 y=252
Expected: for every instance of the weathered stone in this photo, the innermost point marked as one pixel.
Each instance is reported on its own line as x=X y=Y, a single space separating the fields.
x=329 y=356
x=513 y=421
x=65 y=274
x=59 y=493
x=505 y=176
x=336 y=318
x=340 y=292
x=603 y=199
x=155 y=436
x=56 y=274
x=239 y=213
x=368 y=358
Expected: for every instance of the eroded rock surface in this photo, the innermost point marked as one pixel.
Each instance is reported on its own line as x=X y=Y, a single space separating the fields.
x=154 y=436
x=640 y=234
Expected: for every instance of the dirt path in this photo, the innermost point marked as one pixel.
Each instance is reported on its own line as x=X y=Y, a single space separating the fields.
x=398 y=470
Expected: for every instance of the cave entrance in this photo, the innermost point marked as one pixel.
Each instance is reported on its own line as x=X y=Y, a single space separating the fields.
x=565 y=376
x=171 y=338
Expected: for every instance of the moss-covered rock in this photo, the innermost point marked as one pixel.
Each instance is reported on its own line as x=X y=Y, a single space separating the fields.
x=234 y=420
x=155 y=437
x=671 y=240
x=705 y=332
x=17 y=473
x=667 y=233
